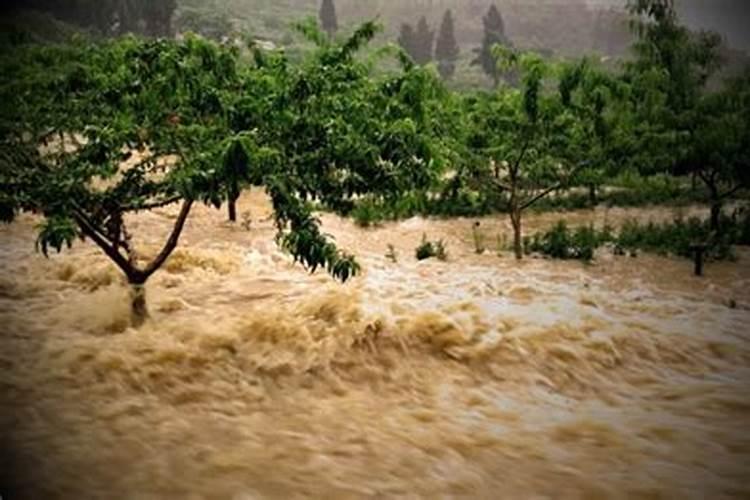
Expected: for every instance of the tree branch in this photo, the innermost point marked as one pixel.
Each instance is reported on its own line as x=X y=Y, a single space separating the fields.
x=151 y=206
x=520 y=156
x=90 y=230
x=172 y=241
x=541 y=195
x=498 y=184
x=731 y=191
x=557 y=186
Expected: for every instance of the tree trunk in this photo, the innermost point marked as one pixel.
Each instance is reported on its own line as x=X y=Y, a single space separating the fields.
x=593 y=200
x=715 y=205
x=232 y=210
x=515 y=219
x=233 y=196
x=715 y=215
x=138 y=307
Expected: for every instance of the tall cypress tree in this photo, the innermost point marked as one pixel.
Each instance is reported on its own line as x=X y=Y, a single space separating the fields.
x=446 y=48
x=328 y=17
x=494 y=33
x=407 y=40
x=424 y=38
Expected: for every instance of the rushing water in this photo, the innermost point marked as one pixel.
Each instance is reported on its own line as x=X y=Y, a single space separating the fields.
x=474 y=377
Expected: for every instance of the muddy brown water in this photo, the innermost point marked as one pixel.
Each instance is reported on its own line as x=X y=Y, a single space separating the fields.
x=477 y=377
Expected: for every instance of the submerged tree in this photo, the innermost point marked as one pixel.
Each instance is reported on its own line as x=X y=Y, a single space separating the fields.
x=105 y=130
x=720 y=144
x=682 y=127
x=525 y=140
x=328 y=19
x=92 y=133
x=446 y=48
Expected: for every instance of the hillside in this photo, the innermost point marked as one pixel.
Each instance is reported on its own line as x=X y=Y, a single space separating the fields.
x=566 y=29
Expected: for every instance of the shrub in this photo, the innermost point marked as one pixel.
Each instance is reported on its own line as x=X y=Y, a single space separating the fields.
x=391 y=254
x=671 y=238
x=367 y=213
x=428 y=249
x=561 y=243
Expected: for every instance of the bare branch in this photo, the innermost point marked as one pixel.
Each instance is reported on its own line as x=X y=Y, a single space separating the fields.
x=500 y=185
x=731 y=191
x=172 y=241
x=541 y=195
x=557 y=186
x=151 y=206
x=520 y=156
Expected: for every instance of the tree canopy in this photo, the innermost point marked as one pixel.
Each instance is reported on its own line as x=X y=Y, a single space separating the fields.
x=94 y=131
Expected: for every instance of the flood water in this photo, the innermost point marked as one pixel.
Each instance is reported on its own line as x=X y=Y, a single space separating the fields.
x=476 y=377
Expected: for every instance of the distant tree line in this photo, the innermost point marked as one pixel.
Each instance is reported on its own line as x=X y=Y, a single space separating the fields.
x=109 y=17
x=419 y=43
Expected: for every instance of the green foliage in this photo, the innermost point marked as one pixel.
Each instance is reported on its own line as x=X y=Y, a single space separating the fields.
x=562 y=243
x=197 y=124
x=55 y=232
x=429 y=249
x=675 y=238
x=670 y=238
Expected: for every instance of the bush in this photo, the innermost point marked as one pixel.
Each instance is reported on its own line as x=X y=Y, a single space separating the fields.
x=560 y=243
x=428 y=249
x=367 y=213
x=671 y=238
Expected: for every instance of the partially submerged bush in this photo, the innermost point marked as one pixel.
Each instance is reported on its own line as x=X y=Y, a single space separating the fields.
x=671 y=238
x=391 y=254
x=428 y=249
x=562 y=243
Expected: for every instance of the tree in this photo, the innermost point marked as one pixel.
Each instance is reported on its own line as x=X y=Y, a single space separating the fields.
x=675 y=111
x=599 y=100
x=524 y=140
x=158 y=16
x=209 y=23
x=423 y=42
x=328 y=17
x=720 y=144
x=446 y=48
x=407 y=39
x=93 y=132
x=109 y=129
x=494 y=34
